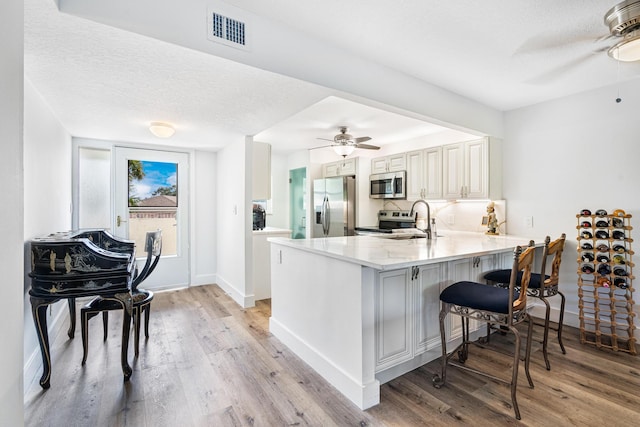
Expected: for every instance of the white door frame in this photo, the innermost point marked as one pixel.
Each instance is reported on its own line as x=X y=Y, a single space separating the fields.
x=172 y=270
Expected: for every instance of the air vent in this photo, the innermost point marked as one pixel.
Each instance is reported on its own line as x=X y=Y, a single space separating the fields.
x=228 y=31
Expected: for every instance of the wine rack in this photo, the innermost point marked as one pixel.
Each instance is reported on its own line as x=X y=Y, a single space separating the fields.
x=605 y=280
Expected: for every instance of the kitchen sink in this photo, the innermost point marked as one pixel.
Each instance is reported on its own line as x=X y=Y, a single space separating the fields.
x=408 y=236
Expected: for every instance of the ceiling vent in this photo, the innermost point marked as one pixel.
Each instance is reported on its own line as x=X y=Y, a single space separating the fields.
x=229 y=31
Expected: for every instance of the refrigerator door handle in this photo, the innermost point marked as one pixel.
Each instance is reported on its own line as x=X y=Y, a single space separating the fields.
x=327 y=216
x=322 y=215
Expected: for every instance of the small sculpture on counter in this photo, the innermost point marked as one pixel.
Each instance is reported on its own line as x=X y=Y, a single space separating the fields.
x=492 y=222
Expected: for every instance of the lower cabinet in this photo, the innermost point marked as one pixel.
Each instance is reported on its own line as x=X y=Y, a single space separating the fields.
x=408 y=306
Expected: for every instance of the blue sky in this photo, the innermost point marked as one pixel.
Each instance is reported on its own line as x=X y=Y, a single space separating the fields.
x=157 y=174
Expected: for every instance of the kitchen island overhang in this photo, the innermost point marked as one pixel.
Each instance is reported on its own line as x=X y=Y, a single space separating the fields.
x=359 y=313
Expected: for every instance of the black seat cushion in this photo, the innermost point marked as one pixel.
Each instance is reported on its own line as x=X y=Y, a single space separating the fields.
x=478 y=296
x=503 y=276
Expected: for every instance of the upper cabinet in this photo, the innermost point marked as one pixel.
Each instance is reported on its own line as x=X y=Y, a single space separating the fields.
x=424 y=174
x=340 y=168
x=464 y=170
x=261 y=171
x=472 y=170
x=392 y=163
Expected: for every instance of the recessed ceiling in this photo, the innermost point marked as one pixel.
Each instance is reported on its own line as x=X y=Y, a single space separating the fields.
x=106 y=82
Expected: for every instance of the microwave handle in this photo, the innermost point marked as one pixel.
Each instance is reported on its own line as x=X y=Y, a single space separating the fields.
x=393 y=186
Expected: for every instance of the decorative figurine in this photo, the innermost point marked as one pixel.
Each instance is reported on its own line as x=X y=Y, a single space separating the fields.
x=492 y=220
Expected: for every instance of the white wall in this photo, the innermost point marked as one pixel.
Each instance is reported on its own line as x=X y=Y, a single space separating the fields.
x=11 y=219
x=572 y=153
x=204 y=213
x=47 y=202
x=234 y=221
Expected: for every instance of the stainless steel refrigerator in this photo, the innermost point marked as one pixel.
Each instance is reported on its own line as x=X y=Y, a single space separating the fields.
x=334 y=201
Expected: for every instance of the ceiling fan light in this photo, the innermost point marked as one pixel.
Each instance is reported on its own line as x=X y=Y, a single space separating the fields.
x=628 y=50
x=161 y=130
x=343 y=150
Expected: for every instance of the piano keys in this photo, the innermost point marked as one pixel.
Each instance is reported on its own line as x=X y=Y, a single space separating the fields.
x=78 y=264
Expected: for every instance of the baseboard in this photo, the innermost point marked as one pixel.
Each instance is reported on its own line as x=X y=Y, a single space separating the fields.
x=203 y=279
x=243 y=300
x=537 y=310
x=363 y=395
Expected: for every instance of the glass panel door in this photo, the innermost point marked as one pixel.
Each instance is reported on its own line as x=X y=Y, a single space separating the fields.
x=151 y=193
x=298 y=197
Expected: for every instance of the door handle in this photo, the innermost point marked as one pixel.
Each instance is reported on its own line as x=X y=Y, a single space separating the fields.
x=119 y=221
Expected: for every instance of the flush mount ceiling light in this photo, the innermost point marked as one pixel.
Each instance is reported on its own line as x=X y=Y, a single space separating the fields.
x=624 y=21
x=162 y=130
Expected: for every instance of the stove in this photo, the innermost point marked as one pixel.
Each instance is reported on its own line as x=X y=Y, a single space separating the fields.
x=389 y=221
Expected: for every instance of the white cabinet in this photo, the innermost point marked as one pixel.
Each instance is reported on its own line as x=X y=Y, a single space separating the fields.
x=407 y=309
x=424 y=174
x=472 y=170
x=261 y=171
x=391 y=163
x=393 y=318
x=427 y=284
x=453 y=171
x=262 y=261
x=340 y=168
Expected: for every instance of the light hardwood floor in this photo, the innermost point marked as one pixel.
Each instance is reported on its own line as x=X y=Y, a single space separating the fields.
x=209 y=362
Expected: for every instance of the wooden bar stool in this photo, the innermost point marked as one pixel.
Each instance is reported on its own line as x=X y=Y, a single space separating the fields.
x=542 y=289
x=495 y=305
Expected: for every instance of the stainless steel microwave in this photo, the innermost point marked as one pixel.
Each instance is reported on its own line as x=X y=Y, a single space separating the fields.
x=390 y=185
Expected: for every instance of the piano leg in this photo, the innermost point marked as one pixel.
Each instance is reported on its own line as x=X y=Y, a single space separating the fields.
x=127 y=305
x=39 y=312
x=72 y=317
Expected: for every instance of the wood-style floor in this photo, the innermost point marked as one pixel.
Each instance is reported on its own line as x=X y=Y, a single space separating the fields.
x=209 y=362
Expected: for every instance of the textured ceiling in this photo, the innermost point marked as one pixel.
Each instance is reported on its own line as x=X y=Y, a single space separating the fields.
x=104 y=82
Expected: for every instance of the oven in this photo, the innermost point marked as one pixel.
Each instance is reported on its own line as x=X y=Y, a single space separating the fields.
x=390 y=185
x=389 y=222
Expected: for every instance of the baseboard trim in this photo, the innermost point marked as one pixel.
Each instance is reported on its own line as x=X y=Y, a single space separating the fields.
x=363 y=395
x=245 y=301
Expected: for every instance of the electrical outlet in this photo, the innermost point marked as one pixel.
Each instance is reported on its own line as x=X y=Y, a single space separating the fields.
x=528 y=222
x=451 y=219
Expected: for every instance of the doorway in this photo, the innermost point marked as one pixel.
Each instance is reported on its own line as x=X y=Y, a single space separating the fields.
x=151 y=192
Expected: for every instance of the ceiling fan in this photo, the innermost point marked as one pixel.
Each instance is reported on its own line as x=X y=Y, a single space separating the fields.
x=623 y=21
x=344 y=144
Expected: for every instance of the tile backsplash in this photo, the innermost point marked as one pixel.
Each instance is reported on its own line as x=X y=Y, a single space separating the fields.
x=457 y=215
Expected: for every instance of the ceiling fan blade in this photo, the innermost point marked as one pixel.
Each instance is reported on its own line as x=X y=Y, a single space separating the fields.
x=325 y=139
x=543 y=42
x=557 y=72
x=324 y=146
x=367 y=146
x=362 y=139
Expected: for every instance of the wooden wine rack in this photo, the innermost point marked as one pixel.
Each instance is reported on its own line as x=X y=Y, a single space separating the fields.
x=605 y=281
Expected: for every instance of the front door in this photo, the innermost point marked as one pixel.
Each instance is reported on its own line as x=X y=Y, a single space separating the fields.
x=151 y=193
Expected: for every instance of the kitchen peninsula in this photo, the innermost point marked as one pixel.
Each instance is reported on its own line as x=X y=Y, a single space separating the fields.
x=362 y=310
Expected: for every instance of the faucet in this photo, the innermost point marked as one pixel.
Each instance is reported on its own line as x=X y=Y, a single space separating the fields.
x=428 y=229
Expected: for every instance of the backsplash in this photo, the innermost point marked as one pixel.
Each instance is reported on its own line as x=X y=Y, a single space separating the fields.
x=457 y=215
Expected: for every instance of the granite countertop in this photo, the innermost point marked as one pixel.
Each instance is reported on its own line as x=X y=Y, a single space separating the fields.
x=383 y=253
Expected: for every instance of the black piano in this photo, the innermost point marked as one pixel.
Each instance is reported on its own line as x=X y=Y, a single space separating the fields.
x=78 y=264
